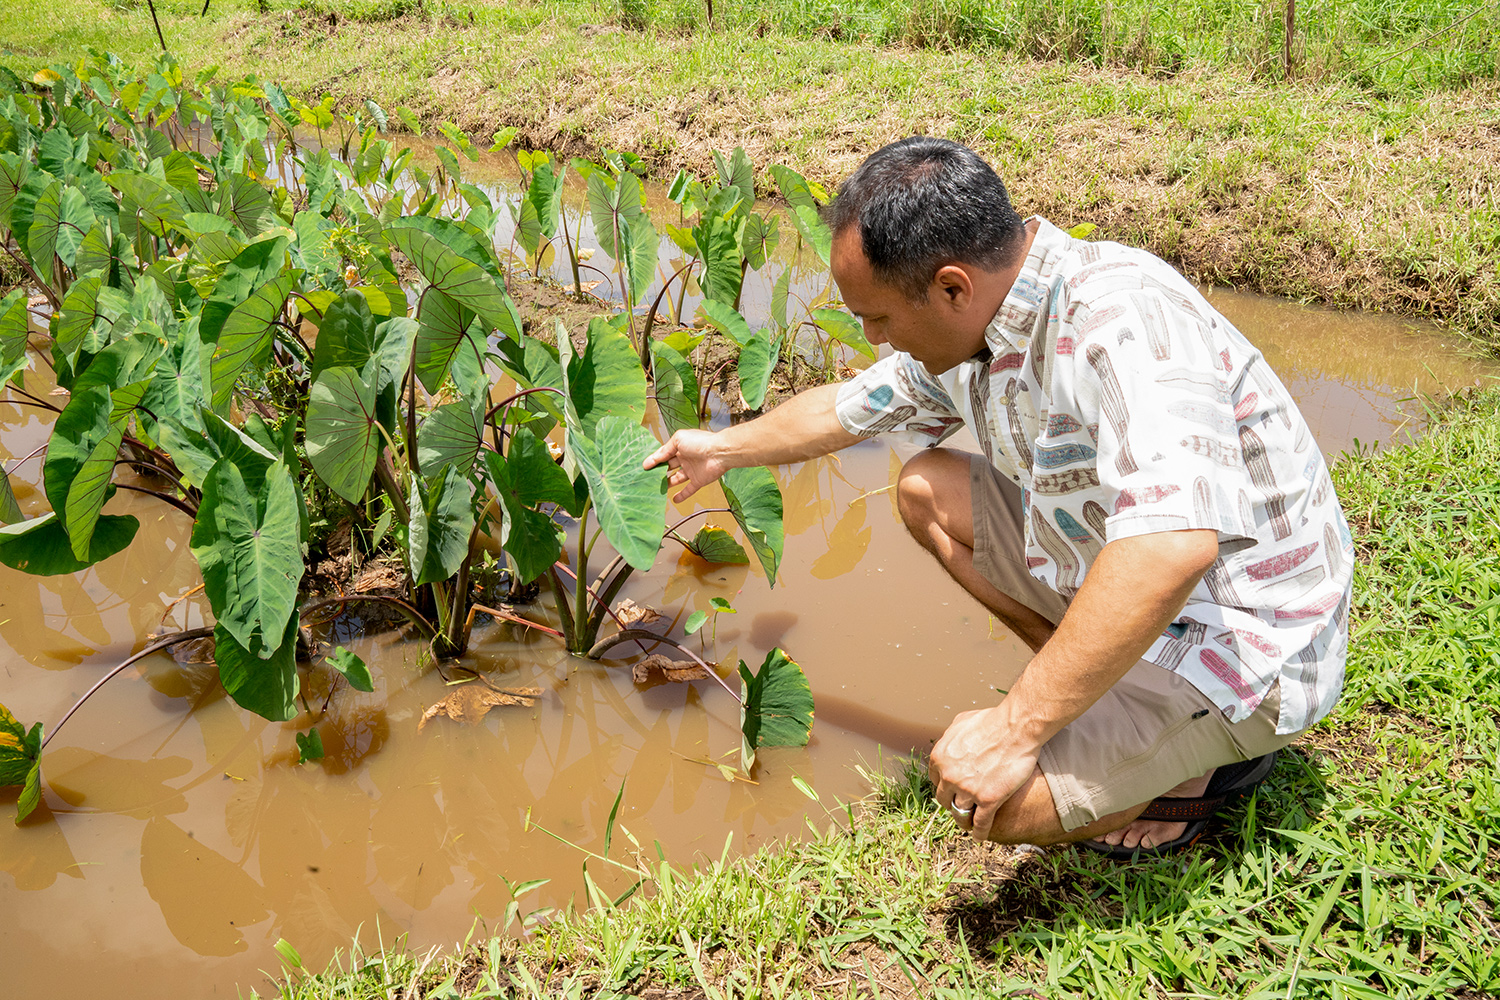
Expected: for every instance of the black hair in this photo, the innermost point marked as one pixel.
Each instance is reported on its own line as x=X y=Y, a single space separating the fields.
x=923 y=203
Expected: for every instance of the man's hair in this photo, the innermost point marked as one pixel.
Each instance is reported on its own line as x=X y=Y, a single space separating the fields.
x=923 y=203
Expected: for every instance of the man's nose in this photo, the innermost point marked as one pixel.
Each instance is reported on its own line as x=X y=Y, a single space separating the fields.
x=871 y=334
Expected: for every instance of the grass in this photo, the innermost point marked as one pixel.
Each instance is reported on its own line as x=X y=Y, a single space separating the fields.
x=1367 y=866
x=1322 y=189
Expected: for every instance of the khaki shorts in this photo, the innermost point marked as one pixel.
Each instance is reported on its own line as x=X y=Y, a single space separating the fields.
x=1151 y=731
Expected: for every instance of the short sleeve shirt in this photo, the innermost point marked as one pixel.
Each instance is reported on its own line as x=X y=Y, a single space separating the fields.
x=1122 y=404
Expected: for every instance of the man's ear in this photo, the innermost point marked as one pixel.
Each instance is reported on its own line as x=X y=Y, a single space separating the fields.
x=953 y=285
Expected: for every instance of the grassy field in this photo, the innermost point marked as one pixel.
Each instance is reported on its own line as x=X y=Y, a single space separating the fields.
x=1366 y=867
x=1323 y=189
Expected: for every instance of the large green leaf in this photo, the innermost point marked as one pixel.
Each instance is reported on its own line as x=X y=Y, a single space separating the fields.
x=80 y=314
x=90 y=486
x=15 y=328
x=756 y=362
x=106 y=249
x=615 y=204
x=443 y=326
x=739 y=173
x=545 y=196
x=759 y=239
x=716 y=545
x=719 y=241
x=844 y=328
x=61 y=220
x=21 y=761
x=265 y=685
x=676 y=387
x=630 y=502
x=252 y=457
x=728 y=321
x=346 y=335
x=755 y=500
x=245 y=203
x=40 y=546
x=250 y=268
x=796 y=189
x=81 y=426
x=776 y=708
x=245 y=337
x=14 y=171
x=152 y=201
x=814 y=230
x=455 y=276
x=606 y=379
x=343 y=440
x=638 y=248
x=178 y=389
x=10 y=511
x=525 y=477
x=450 y=435
x=249 y=548
x=441 y=522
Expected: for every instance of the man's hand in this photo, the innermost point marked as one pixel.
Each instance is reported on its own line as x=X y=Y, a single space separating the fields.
x=980 y=762
x=693 y=458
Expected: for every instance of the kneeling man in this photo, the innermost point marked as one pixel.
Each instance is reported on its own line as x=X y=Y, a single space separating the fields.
x=1149 y=511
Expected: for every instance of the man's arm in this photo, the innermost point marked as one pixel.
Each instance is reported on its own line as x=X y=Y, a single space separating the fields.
x=803 y=427
x=1133 y=591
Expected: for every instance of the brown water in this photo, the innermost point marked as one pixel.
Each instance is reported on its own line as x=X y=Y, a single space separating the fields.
x=179 y=840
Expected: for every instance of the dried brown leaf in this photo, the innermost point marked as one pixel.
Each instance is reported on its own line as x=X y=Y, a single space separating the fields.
x=381 y=577
x=472 y=702
x=636 y=615
x=669 y=670
x=194 y=650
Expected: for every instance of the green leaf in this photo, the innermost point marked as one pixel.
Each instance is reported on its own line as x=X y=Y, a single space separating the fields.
x=441 y=520
x=10 y=511
x=1082 y=231
x=844 y=328
x=80 y=314
x=504 y=137
x=449 y=435
x=777 y=706
x=445 y=269
x=677 y=190
x=694 y=622
x=522 y=479
x=343 y=439
x=81 y=426
x=309 y=746
x=631 y=502
x=249 y=548
x=780 y=292
x=545 y=195
x=755 y=500
x=248 y=205
x=722 y=605
x=15 y=328
x=676 y=387
x=719 y=241
x=760 y=238
x=245 y=338
x=615 y=205
x=152 y=200
x=19 y=750
x=266 y=686
x=31 y=792
x=14 y=171
x=106 y=249
x=796 y=189
x=61 y=220
x=638 y=256
x=606 y=379
x=716 y=545
x=727 y=321
x=346 y=334
x=814 y=230
x=756 y=363
x=40 y=546
x=443 y=327
x=353 y=668
x=737 y=172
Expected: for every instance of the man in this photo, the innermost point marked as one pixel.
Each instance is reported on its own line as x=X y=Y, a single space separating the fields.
x=1149 y=514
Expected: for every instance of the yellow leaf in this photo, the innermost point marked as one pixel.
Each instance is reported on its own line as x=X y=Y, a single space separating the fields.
x=472 y=702
x=46 y=77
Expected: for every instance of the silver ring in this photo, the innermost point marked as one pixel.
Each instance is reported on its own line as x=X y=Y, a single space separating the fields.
x=965 y=813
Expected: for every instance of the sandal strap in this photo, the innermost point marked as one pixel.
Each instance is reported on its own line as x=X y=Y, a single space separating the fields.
x=1170 y=810
x=1228 y=782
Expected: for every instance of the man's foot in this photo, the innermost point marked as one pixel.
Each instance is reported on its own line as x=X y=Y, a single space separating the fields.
x=1148 y=833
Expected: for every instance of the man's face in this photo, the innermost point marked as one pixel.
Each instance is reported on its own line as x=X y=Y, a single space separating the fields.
x=935 y=331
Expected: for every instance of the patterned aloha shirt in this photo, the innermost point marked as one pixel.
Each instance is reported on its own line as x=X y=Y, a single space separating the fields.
x=1123 y=404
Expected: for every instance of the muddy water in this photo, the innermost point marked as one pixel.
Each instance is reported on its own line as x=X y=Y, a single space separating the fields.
x=179 y=840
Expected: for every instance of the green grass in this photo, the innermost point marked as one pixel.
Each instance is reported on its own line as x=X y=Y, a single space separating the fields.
x=1366 y=866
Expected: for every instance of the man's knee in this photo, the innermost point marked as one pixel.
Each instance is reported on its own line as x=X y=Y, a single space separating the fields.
x=928 y=483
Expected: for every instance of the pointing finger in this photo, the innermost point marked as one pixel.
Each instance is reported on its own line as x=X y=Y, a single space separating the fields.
x=660 y=455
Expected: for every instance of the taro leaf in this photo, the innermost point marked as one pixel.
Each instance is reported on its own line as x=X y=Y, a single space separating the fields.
x=676 y=388
x=443 y=329
x=245 y=337
x=250 y=268
x=814 y=230
x=266 y=686
x=24 y=206
x=464 y=238
x=393 y=340
x=353 y=668
x=441 y=520
x=606 y=379
x=61 y=220
x=81 y=426
x=10 y=511
x=545 y=196
x=472 y=702
x=343 y=439
x=155 y=203
x=90 y=486
x=253 y=458
x=81 y=313
x=844 y=328
x=780 y=292
x=528 y=227
x=246 y=204
x=449 y=435
x=631 y=502
x=615 y=205
x=309 y=746
x=759 y=239
x=106 y=249
x=249 y=548
x=21 y=761
x=694 y=622
x=15 y=327
x=659 y=666
x=755 y=500
x=796 y=189
x=462 y=280
x=14 y=171
x=716 y=545
x=738 y=173
x=40 y=546
x=638 y=248
x=522 y=479
x=776 y=708
x=727 y=321
x=346 y=335
x=756 y=363
x=719 y=241
x=177 y=389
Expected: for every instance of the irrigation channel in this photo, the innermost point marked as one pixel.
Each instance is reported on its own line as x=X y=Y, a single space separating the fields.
x=180 y=839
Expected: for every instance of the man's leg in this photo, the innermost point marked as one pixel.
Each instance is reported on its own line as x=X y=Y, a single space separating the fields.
x=934 y=495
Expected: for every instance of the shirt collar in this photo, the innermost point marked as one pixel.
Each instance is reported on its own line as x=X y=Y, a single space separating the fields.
x=1016 y=322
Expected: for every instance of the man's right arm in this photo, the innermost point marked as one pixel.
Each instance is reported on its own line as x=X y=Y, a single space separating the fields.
x=803 y=427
